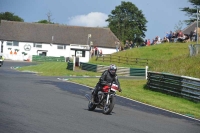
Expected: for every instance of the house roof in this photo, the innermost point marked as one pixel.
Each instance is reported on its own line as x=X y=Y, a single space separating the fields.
x=190 y=28
x=62 y=34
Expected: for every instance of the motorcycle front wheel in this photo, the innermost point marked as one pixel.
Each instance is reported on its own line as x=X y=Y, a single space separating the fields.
x=109 y=107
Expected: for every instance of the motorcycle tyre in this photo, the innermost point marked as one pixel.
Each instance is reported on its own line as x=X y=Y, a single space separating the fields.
x=91 y=106
x=111 y=106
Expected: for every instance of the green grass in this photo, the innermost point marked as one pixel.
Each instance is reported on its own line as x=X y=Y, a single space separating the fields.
x=56 y=69
x=170 y=58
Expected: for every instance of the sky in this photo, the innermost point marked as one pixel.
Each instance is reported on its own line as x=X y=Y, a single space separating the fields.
x=162 y=15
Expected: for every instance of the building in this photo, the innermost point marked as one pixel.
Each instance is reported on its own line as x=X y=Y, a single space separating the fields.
x=21 y=40
x=190 y=28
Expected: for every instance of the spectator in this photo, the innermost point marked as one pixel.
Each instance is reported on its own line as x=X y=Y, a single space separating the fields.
x=126 y=45
x=153 y=42
x=100 y=52
x=165 y=39
x=158 y=40
x=96 y=52
x=148 y=42
x=180 y=36
x=145 y=42
x=170 y=36
x=132 y=44
x=167 y=35
x=174 y=37
x=191 y=36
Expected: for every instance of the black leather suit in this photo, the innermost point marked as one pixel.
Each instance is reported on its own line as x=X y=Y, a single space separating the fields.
x=105 y=79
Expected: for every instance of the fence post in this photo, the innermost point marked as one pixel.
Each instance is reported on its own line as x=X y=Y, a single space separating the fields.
x=146 y=70
x=191 y=49
x=74 y=61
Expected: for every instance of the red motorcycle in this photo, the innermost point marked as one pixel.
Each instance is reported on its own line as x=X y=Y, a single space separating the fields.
x=105 y=99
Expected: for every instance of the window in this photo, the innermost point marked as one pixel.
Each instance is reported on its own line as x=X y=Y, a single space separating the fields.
x=15 y=43
x=83 y=53
x=37 y=45
x=9 y=43
x=80 y=53
x=61 y=46
x=12 y=43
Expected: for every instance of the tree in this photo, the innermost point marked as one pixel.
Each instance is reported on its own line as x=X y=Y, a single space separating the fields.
x=127 y=22
x=178 y=26
x=49 y=21
x=191 y=12
x=44 y=22
x=10 y=17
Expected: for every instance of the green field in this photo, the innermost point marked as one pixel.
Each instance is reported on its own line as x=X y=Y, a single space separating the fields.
x=171 y=58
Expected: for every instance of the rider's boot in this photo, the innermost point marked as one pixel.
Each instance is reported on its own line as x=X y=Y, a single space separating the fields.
x=94 y=96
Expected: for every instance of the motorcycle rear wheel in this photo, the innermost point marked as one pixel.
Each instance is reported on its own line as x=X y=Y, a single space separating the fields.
x=107 y=109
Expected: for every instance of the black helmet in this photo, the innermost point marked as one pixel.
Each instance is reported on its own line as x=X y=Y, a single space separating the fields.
x=112 y=69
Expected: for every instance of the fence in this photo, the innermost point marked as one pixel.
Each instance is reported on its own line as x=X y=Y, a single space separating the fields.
x=182 y=86
x=47 y=58
x=123 y=71
x=121 y=59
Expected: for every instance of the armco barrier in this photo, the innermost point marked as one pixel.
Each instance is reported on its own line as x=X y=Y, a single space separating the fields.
x=123 y=71
x=70 y=66
x=88 y=67
x=137 y=72
x=186 y=87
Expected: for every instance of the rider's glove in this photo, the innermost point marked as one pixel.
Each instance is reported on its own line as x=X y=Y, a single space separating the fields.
x=108 y=84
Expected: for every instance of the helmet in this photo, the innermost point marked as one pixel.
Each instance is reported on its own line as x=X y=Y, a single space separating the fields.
x=112 y=69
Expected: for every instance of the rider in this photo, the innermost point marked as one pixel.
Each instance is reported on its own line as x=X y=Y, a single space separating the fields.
x=107 y=78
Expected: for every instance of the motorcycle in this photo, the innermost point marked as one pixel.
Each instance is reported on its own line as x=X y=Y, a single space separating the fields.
x=105 y=99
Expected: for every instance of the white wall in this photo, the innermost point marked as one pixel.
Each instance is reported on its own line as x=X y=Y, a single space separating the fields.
x=52 y=51
x=107 y=50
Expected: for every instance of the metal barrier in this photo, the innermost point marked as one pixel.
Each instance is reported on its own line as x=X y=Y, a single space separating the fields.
x=70 y=66
x=88 y=67
x=122 y=71
x=137 y=72
x=183 y=86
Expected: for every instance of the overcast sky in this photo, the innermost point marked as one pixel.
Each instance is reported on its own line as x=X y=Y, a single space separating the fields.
x=162 y=16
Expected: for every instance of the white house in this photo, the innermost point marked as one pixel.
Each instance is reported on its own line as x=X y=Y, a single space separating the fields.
x=20 y=40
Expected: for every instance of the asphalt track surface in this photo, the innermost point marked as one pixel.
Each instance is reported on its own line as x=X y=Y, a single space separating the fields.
x=37 y=104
